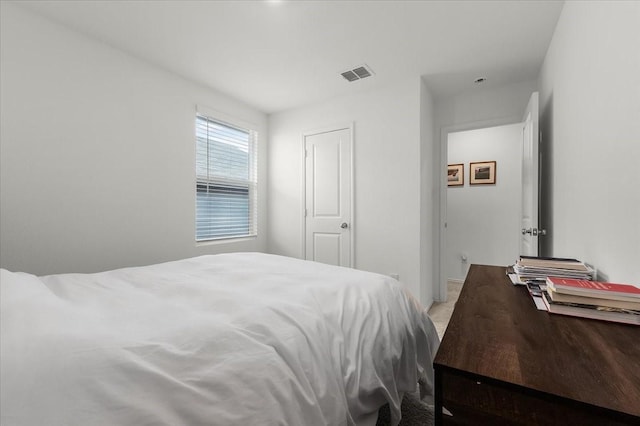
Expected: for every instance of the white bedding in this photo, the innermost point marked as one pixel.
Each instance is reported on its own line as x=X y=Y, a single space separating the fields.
x=233 y=339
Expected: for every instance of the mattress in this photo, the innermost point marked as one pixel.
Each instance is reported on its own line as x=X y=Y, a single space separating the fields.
x=230 y=339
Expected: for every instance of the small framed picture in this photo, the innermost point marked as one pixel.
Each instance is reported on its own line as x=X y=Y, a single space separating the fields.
x=455 y=174
x=482 y=173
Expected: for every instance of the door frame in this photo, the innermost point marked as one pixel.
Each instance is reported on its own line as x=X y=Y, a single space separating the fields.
x=441 y=294
x=532 y=109
x=303 y=191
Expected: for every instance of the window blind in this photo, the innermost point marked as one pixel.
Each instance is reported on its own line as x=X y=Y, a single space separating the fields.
x=226 y=180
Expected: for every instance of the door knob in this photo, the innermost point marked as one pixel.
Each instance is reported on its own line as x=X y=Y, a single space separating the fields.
x=534 y=232
x=344 y=225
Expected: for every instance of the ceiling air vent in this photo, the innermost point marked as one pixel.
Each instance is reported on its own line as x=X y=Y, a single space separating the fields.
x=357 y=73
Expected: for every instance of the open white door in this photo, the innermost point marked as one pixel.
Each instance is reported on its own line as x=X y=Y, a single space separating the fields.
x=328 y=165
x=530 y=180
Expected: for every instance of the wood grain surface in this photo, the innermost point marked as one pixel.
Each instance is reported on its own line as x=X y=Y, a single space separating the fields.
x=497 y=337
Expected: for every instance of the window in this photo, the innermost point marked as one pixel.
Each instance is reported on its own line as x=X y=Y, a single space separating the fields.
x=226 y=180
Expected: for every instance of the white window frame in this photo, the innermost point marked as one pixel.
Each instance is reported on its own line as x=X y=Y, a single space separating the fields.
x=222 y=185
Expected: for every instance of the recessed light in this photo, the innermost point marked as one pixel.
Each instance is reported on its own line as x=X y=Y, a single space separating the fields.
x=480 y=80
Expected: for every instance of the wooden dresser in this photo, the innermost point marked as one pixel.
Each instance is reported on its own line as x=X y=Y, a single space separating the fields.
x=502 y=362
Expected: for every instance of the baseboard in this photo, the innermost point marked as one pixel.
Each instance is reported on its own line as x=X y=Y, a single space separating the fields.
x=454 y=281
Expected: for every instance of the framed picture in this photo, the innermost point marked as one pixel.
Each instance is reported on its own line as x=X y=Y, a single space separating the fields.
x=482 y=173
x=455 y=174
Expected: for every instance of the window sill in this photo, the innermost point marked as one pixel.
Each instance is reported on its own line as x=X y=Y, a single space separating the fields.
x=230 y=240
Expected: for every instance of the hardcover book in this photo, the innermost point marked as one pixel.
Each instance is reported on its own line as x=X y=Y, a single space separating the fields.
x=626 y=316
x=587 y=288
x=586 y=300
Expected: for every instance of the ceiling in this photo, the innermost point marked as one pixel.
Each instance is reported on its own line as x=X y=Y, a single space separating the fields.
x=278 y=55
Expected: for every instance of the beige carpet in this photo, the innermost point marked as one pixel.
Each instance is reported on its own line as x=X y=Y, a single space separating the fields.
x=440 y=312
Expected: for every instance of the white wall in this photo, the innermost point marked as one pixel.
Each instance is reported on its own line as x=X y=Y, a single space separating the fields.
x=484 y=107
x=430 y=197
x=483 y=221
x=387 y=173
x=97 y=164
x=590 y=112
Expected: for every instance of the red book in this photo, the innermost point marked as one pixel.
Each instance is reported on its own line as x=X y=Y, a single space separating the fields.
x=589 y=288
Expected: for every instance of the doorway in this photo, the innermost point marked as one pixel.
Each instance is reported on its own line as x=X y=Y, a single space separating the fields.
x=328 y=196
x=531 y=109
x=483 y=215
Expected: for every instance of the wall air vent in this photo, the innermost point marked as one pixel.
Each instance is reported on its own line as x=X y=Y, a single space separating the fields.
x=357 y=73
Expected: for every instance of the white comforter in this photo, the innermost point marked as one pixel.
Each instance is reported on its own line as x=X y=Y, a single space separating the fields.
x=233 y=339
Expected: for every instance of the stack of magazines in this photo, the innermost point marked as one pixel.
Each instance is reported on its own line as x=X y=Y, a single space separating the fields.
x=539 y=268
x=532 y=272
x=593 y=299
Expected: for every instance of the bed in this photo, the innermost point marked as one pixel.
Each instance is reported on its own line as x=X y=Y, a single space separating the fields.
x=229 y=339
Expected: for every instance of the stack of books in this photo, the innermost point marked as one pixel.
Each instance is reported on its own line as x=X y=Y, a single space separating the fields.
x=593 y=299
x=539 y=268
